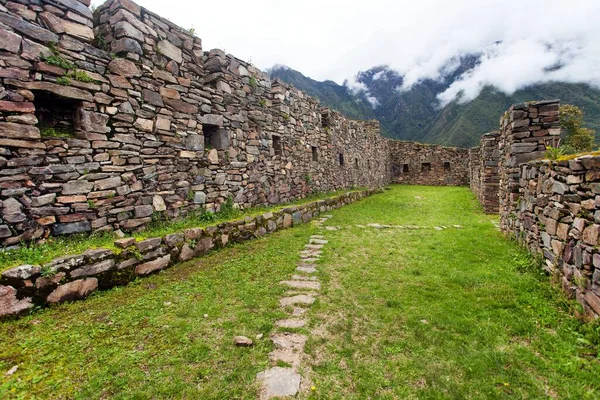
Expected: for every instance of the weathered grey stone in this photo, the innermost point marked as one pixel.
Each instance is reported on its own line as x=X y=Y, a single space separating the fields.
x=21 y=272
x=301 y=299
x=126 y=45
x=92 y=270
x=27 y=29
x=278 y=382
x=148 y=244
x=169 y=50
x=77 y=187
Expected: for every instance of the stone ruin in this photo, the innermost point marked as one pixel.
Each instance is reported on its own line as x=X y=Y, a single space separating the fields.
x=109 y=118
x=113 y=116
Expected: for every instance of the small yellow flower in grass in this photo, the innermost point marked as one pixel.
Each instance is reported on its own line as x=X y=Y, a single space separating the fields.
x=313 y=388
x=506 y=384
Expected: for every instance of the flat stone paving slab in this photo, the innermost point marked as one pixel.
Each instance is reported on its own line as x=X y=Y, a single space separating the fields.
x=287 y=356
x=302 y=285
x=304 y=278
x=301 y=299
x=292 y=323
x=318 y=241
x=278 y=382
x=286 y=340
x=317 y=237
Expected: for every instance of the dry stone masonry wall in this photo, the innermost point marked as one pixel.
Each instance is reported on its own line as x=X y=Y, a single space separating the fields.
x=484 y=173
x=425 y=164
x=75 y=277
x=551 y=207
x=112 y=117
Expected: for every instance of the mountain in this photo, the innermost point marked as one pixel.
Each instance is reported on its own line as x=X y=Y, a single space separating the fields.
x=415 y=114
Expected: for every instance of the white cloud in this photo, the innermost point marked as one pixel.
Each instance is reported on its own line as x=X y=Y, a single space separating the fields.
x=334 y=39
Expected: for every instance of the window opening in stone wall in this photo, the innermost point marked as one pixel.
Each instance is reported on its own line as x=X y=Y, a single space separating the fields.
x=315 y=153
x=446 y=166
x=325 y=122
x=425 y=167
x=277 y=145
x=56 y=115
x=341 y=159
x=210 y=132
x=356 y=163
x=405 y=168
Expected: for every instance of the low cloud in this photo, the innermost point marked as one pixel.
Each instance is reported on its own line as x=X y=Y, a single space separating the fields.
x=539 y=41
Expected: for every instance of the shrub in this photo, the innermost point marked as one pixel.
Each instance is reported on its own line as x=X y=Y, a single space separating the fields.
x=576 y=136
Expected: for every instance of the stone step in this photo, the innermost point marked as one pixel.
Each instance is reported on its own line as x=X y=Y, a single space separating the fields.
x=317 y=237
x=302 y=285
x=287 y=356
x=332 y=228
x=278 y=382
x=310 y=259
x=318 y=241
x=300 y=299
x=292 y=341
x=291 y=323
x=298 y=312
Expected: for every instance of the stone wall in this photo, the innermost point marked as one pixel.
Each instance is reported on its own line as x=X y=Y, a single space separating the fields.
x=425 y=164
x=525 y=131
x=75 y=277
x=484 y=172
x=112 y=117
x=557 y=215
x=551 y=207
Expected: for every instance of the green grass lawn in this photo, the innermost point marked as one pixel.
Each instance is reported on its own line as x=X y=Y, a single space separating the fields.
x=457 y=313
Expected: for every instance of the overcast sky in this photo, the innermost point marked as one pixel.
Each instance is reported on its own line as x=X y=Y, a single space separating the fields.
x=335 y=39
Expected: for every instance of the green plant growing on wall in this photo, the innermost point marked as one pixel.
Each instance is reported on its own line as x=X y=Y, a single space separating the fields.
x=192 y=31
x=81 y=76
x=252 y=82
x=577 y=137
x=63 y=80
x=286 y=117
x=56 y=58
x=47 y=271
x=262 y=103
x=308 y=178
x=55 y=132
x=554 y=153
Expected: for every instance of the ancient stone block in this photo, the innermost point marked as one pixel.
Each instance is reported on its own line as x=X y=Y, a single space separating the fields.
x=169 y=50
x=95 y=269
x=153 y=266
x=124 y=67
x=76 y=290
x=10 y=305
x=9 y=41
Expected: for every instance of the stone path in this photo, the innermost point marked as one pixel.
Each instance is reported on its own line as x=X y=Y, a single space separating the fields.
x=380 y=226
x=278 y=381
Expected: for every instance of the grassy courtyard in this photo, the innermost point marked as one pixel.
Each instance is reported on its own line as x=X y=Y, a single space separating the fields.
x=405 y=312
